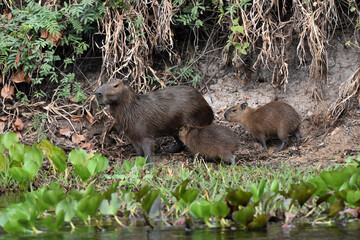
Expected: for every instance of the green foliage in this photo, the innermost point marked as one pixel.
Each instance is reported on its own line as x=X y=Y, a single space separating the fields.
x=24 y=45
x=87 y=165
x=189 y=73
x=138 y=189
x=189 y=13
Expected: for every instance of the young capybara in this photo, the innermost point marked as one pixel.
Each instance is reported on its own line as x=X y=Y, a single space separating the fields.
x=155 y=114
x=274 y=119
x=210 y=141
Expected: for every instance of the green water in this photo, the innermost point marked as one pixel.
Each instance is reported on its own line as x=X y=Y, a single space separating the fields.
x=273 y=231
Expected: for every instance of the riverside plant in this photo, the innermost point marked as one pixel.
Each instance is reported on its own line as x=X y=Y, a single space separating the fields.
x=135 y=189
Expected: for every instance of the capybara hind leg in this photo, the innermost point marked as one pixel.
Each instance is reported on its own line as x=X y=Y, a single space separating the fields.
x=283 y=144
x=138 y=149
x=263 y=142
x=178 y=147
x=298 y=137
x=148 y=146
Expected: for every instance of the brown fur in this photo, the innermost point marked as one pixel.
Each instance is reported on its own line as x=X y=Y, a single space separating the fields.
x=274 y=119
x=211 y=141
x=155 y=114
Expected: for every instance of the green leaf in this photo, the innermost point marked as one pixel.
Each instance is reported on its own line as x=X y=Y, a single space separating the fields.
x=112 y=207
x=140 y=162
x=89 y=205
x=352 y=197
x=245 y=215
x=54 y=225
x=259 y=222
x=337 y=206
x=201 y=209
x=301 y=192
x=16 y=152
x=189 y=195
x=9 y=139
x=219 y=209
x=78 y=156
x=275 y=186
x=236 y=29
x=238 y=197
x=53 y=197
x=3 y=162
x=127 y=165
x=180 y=190
x=82 y=172
x=19 y=174
x=142 y=192
x=67 y=206
x=58 y=157
x=149 y=200
x=96 y=164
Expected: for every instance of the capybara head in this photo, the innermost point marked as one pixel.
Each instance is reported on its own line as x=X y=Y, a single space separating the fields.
x=234 y=114
x=110 y=93
x=183 y=131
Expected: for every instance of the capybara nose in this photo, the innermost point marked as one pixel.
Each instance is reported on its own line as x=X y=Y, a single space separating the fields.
x=225 y=116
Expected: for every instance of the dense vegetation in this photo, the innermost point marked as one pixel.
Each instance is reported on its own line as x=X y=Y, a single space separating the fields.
x=46 y=47
x=219 y=196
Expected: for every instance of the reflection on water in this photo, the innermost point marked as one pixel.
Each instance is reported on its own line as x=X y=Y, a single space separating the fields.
x=274 y=231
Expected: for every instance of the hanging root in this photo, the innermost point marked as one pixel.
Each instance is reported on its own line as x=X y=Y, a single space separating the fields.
x=348 y=90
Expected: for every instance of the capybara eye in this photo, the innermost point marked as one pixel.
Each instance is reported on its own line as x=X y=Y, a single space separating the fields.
x=116 y=85
x=234 y=110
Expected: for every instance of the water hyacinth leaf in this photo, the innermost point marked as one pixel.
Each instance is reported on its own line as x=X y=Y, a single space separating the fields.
x=127 y=165
x=201 y=209
x=54 y=225
x=142 y=192
x=336 y=207
x=259 y=222
x=3 y=162
x=53 y=196
x=67 y=206
x=238 y=197
x=19 y=174
x=97 y=163
x=82 y=172
x=149 y=200
x=112 y=207
x=353 y=197
x=354 y=181
x=301 y=192
x=189 y=195
x=112 y=189
x=9 y=139
x=219 y=209
x=140 y=162
x=257 y=191
x=78 y=156
x=16 y=152
x=179 y=190
x=275 y=186
x=58 y=157
x=89 y=205
x=32 y=161
x=244 y=215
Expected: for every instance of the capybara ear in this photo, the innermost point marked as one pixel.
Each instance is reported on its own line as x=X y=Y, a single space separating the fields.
x=244 y=105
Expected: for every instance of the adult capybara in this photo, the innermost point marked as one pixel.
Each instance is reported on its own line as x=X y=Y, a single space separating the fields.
x=155 y=114
x=274 y=119
x=210 y=141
